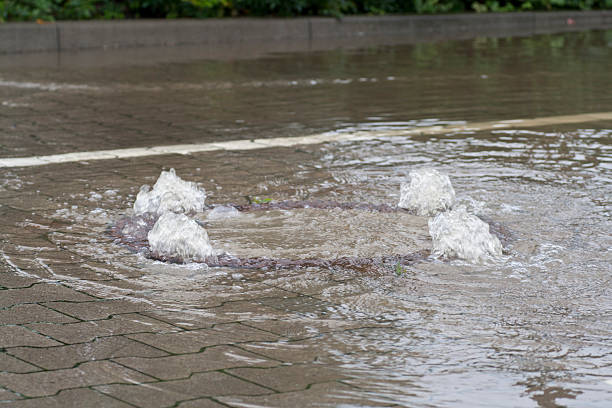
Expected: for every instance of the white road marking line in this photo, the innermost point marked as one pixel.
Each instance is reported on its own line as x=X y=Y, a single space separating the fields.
x=45 y=87
x=293 y=141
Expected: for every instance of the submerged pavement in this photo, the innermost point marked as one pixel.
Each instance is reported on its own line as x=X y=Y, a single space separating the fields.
x=83 y=330
x=64 y=347
x=86 y=322
x=80 y=330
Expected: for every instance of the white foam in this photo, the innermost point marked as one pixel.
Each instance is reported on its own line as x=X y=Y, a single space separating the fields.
x=456 y=233
x=178 y=236
x=170 y=194
x=427 y=192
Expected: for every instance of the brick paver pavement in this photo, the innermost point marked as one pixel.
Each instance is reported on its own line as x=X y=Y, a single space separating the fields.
x=83 y=322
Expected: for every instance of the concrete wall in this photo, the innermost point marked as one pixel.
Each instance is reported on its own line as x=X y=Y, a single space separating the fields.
x=82 y=35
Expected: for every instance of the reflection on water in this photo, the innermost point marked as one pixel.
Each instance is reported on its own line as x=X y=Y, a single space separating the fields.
x=532 y=329
x=298 y=94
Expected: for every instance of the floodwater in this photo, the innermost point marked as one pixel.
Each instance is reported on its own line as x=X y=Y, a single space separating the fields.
x=533 y=328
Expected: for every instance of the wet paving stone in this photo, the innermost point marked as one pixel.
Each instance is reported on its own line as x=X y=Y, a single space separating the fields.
x=301 y=351
x=41 y=292
x=53 y=358
x=229 y=312
x=27 y=266
x=191 y=319
x=39 y=384
x=97 y=310
x=289 y=377
x=10 y=281
x=32 y=313
x=326 y=394
x=182 y=366
x=87 y=331
x=200 y=403
x=168 y=393
x=6 y=395
x=11 y=364
x=194 y=340
x=66 y=270
x=76 y=398
x=11 y=336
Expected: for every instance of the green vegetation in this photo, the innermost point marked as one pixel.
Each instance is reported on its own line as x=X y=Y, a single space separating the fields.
x=399 y=269
x=50 y=10
x=257 y=200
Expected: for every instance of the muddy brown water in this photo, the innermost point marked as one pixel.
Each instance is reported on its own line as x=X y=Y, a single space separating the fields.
x=534 y=329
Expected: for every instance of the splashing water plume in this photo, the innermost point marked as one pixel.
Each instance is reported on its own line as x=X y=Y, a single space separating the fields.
x=427 y=192
x=456 y=233
x=170 y=193
x=176 y=236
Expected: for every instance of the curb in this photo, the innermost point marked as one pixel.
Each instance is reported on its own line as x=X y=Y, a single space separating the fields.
x=16 y=38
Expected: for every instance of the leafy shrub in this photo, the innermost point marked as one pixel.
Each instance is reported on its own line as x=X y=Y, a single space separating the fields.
x=49 y=10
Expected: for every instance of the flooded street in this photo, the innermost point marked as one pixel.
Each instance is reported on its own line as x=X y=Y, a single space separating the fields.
x=532 y=327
